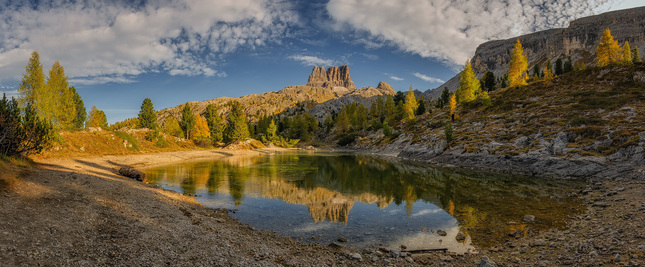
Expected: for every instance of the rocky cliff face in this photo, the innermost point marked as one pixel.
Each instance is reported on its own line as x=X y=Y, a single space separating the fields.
x=578 y=41
x=332 y=77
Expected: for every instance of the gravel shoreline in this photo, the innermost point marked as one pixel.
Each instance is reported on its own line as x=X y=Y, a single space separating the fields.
x=78 y=212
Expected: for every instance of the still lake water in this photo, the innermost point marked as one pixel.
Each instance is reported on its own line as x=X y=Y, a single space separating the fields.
x=371 y=201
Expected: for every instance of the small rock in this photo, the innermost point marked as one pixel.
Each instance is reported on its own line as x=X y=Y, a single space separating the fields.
x=409 y=259
x=356 y=256
x=385 y=262
x=395 y=253
x=403 y=254
x=617 y=257
x=538 y=242
x=403 y=247
x=342 y=239
x=336 y=245
x=374 y=259
x=460 y=236
x=445 y=258
x=442 y=232
x=486 y=262
x=601 y=204
x=528 y=218
x=619 y=189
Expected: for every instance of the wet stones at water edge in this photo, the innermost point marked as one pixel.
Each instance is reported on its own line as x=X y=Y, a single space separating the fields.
x=133 y=173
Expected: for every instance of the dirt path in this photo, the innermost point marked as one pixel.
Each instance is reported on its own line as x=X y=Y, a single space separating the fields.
x=78 y=212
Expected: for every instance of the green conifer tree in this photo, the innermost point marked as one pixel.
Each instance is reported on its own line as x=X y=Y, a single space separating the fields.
x=559 y=70
x=147 y=115
x=81 y=112
x=237 y=128
x=636 y=56
x=215 y=123
x=390 y=110
x=187 y=122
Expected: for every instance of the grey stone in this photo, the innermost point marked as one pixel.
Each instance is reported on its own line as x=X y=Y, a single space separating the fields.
x=460 y=236
x=486 y=262
x=528 y=218
x=356 y=256
x=442 y=232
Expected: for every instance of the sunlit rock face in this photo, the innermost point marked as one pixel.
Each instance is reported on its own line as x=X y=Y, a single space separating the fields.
x=332 y=77
x=578 y=41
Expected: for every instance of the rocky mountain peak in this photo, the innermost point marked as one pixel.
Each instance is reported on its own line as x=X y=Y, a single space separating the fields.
x=332 y=77
x=386 y=88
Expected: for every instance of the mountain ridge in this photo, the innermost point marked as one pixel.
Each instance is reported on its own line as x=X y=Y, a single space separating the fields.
x=577 y=41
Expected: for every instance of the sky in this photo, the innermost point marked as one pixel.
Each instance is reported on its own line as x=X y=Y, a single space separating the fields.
x=117 y=53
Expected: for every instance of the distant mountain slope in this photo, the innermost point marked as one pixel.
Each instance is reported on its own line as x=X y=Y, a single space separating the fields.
x=578 y=41
x=322 y=86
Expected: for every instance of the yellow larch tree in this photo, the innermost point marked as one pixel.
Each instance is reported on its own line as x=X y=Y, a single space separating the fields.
x=548 y=77
x=453 y=107
x=201 y=127
x=410 y=105
x=518 y=67
x=608 y=50
x=627 y=54
x=469 y=86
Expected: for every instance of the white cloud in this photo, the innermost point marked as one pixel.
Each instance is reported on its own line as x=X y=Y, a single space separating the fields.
x=9 y=94
x=102 y=38
x=428 y=78
x=396 y=78
x=451 y=30
x=99 y=80
x=313 y=60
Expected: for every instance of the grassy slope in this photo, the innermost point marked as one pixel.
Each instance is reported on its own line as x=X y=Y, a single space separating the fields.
x=98 y=143
x=601 y=110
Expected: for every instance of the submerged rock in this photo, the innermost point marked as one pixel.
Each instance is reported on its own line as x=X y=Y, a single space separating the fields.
x=133 y=173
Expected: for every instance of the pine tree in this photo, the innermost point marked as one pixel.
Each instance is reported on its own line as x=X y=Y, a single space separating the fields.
x=201 y=128
x=215 y=124
x=97 y=118
x=187 y=122
x=627 y=54
x=608 y=50
x=342 y=122
x=33 y=81
x=518 y=66
x=536 y=70
x=272 y=131
x=81 y=113
x=390 y=110
x=558 y=67
x=488 y=81
x=568 y=65
x=636 y=56
x=422 y=108
x=147 y=116
x=238 y=128
x=410 y=105
x=469 y=86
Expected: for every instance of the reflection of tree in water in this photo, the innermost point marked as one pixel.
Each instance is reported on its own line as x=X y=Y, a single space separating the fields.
x=484 y=205
x=236 y=178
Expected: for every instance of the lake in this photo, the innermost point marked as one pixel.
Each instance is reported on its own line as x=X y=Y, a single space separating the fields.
x=373 y=201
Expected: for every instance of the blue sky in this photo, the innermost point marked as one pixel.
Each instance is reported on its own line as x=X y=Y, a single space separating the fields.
x=174 y=51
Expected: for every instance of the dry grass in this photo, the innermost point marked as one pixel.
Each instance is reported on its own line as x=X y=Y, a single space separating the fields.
x=100 y=143
x=12 y=169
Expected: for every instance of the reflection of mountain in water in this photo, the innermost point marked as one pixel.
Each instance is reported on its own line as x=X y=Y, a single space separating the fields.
x=322 y=203
x=329 y=185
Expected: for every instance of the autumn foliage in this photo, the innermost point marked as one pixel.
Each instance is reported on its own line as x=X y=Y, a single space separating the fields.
x=608 y=50
x=469 y=86
x=518 y=67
